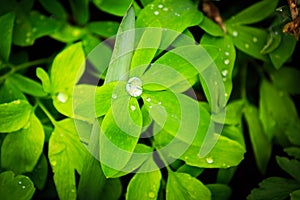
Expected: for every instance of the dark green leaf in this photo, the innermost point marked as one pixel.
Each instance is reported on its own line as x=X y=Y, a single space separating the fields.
x=54 y=7
x=68 y=33
x=15 y=187
x=225 y=176
x=274 y=188
x=89 y=43
x=115 y=7
x=184 y=186
x=103 y=28
x=112 y=189
x=193 y=171
x=292 y=167
x=254 y=13
x=144 y=186
x=122 y=53
x=40 y=173
x=287 y=79
x=295 y=195
x=80 y=10
x=233 y=113
x=14 y=93
x=273 y=42
x=261 y=144
x=219 y=191
x=6 y=28
x=14 y=115
x=293 y=151
x=211 y=27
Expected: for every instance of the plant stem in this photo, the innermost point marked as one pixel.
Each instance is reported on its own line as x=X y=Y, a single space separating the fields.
x=30 y=64
x=44 y=109
x=244 y=81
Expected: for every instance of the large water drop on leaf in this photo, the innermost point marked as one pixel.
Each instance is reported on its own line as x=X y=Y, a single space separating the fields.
x=134 y=87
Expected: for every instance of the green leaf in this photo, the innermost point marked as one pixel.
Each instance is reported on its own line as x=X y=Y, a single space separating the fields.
x=14 y=115
x=80 y=10
x=225 y=175
x=273 y=42
x=277 y=116
x=15 y=187
x=14 y=93
x=290 y=166
x=44 y=77
x=144 y=186
x=104 y=29
x=120 y=131
x=71 y=62
x=225 y=60
x=184 y=186
x=39 y=174
x=284 y=51
x=261 y=144
x=274 y=188
x=6 y=28
x=112 y=189
x=89 y=43
x=295 y=195
x=122 y=53
x=255 y=13
x=54 y=7
x=233 y=113
x=66 y=154
x=26 y=85
x=170 y=15
x=114 y=7
x=68 y=33
x=287 y=79
x=249 y=40
x=219 y=191
x=193 y=171
x=29 y=142
x=211 y=27
x=293 y=151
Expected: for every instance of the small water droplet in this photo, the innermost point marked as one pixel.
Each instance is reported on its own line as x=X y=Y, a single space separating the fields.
x=276 y=33
x=209 y=160
x=28 y=40
x=226 y=95
x=73 y=190
x=165 y=9
x=28 y=34
x=254 y=39
x=235 y=33
x=227 y=53
x=62 y=97
x=134 y=87
x=114 y=96
x=148 y=99
x=151 y=194
x=177 y=14
x=150 y=107
x=246 y=46
x=226 y=61
x=159 y=103
x=16 y=102
x=20 y=182
x=132 y=107
x=224 y=72
x=53 y=163
x=156 y=12
x=23 y=186
x=160 y=6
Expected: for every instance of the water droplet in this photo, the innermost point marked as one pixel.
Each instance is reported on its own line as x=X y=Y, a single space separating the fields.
x=150 y=107
x=177 y=14
x=216 y=83
x=20 y=182
x=53 y=163
x=226 y=61
x=165 y=9
x=151 y=194
x=209 y=160
x=148 y=99
x=114 y=96
x=134 y=87
x=276 y=33
x=132 y=107
x=73 y=190
x=226 y=95
x=23 y=187
x=156 y=12
x=160 y=6
x=16 y=102
x=254 y=39
x=159 y=103
x=62 y=97
x=28 y=40
x=246 y=46
x=226 y=53
x=28 y=34
x=224 y=72
x=224 y=79
x=235 y=33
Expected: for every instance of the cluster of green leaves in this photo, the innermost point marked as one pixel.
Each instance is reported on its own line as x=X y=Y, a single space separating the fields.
x=55 y=123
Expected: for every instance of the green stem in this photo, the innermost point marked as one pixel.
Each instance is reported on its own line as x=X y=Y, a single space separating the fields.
x=161 y=157
x=244 y=81
x=30 y=64
x=44 y=109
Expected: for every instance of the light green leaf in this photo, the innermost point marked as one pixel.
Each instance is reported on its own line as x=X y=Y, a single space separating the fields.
x=225 y=60
x=6 y=28
x=21 y=150
x=54 y=7
x=122 y=53
x=115 y=7
x=80 y=10
x=39 y=174
x=255 y=13
x=44 y=77
x=295 y=195
x=293 y=151
x=184 y=186
x=14 y=115
x=219 y=191
x=290 y=166
x=66 y=154
x=71 y=62
x=211 y=27
x=103 y=28
x=261 y=144
x=15 y=187
x=144 y=186
x=249 y=40
x=274 y=188
x=234 y=133
x=26 y=85
x=287 y=79
x=284 y=51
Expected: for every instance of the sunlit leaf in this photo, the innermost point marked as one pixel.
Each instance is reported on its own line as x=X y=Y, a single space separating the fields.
x=114 y=7
x=211 y=27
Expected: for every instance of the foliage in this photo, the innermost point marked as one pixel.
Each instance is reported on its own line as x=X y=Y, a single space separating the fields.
x=80 y=114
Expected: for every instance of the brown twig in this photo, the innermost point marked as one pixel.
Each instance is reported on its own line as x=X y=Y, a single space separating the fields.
x=293 y=27
x=213 y=13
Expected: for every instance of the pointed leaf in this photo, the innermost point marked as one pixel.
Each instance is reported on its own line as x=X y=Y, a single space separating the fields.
x=104 y=28
x=211 y=27
x=290 y=166
x=114 y=7
x=44 y=77
x=6 y=28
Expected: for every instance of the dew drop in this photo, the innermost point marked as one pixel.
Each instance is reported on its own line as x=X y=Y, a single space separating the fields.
x=148 y=99
x=209 y=160
x=62 y=97
x=246 y=46
x=20 y=182
x=132 y=107
x=54 y=163
x=28 y=34
x=151 y=194
x=150 y=107
x=160 y=6
x=177 y=14
x=27 y=40
x=23 y=187
x=156 y=12
x=226 y=53
x=254 y=39
x=224 y=79
x=165 y=9
x=17 y=102
x=159 y=103
x=224 y=72
x=235 y=33
x=226 y=61
x=226 y=95
x=114 y=96
x=134 y=87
